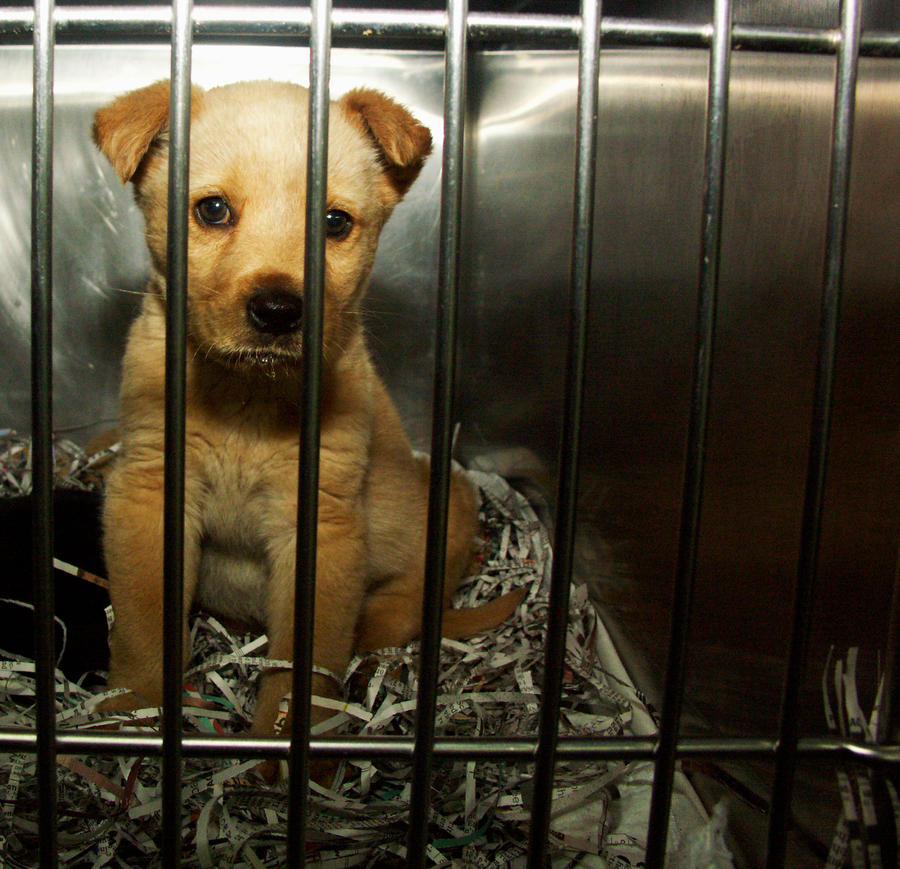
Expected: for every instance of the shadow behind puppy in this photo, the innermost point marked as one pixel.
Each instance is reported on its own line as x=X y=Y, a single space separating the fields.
x=245 y=309
x=79 y=604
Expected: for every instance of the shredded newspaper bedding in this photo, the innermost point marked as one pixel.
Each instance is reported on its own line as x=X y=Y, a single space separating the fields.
x=869 y=799
x=110 y=808
x=74 y=468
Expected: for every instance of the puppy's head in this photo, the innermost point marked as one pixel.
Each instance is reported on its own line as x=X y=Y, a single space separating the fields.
x=247 y=206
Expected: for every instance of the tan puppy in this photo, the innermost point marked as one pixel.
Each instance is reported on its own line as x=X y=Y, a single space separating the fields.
x=245 y=308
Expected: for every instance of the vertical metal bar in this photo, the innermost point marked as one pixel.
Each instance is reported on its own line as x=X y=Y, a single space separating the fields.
x=570 y=438
x=310 y=408
x=820 y=427
x=173 y=486
x=692 y=494
x=42 y=422
x=441 y=426
x=892 y=661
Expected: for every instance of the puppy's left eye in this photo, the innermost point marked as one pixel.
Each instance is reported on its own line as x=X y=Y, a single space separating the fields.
x=338 y=224
x=213 y=211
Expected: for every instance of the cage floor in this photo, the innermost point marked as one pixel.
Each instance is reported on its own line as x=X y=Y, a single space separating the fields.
x=109 y=808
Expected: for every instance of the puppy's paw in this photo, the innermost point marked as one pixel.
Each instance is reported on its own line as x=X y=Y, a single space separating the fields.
x=269 y=771
x=125 y=702
x=273 y=717
x=323 y=771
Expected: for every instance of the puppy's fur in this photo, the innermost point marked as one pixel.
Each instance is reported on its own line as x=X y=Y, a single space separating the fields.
x=245 y=291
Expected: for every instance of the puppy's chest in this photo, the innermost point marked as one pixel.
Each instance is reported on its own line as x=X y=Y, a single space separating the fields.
x=246 y=494
x=246 y=463
x=243 y=485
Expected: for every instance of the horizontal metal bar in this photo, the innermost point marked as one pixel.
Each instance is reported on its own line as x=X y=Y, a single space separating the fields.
x=244 y=23
x=518 y=748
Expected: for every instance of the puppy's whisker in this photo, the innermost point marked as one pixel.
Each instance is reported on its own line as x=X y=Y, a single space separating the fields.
x=378 y=313
x=131 y=292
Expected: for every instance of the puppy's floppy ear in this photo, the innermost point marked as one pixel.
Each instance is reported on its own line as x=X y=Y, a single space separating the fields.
x=125 y=129
x=402 y=142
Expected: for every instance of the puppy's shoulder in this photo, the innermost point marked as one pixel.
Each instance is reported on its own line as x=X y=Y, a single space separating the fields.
x=143 y=371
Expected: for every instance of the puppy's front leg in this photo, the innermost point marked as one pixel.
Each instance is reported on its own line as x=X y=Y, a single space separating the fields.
x=340 y=584
x=133 y=543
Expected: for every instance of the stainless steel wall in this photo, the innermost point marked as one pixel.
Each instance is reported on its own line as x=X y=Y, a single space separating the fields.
x=517 y=217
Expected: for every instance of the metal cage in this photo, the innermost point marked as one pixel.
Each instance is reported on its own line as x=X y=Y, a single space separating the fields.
x=457 y=30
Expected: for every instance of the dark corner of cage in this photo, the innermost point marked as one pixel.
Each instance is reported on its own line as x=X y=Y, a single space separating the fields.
x=80 y=604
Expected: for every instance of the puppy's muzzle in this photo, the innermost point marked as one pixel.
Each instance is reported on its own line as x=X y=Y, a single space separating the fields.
x=275 y=312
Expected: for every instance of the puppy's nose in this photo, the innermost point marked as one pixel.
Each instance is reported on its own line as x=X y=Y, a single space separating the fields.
x=275 y=312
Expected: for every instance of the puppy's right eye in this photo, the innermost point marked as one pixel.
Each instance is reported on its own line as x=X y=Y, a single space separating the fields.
x=213 y=211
